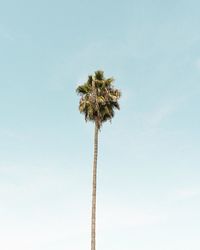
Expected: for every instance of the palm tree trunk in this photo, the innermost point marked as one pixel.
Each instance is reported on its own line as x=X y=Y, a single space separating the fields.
x=94 y=185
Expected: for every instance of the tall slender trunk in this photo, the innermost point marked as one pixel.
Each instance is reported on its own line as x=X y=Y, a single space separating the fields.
x=94 y=188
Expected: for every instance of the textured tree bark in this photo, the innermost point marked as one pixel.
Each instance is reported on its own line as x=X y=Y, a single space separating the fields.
x=94 y=188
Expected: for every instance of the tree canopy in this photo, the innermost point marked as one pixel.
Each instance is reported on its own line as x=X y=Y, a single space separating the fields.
x=99 y=98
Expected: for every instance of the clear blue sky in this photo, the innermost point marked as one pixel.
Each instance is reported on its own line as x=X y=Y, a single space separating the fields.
x=149 y=159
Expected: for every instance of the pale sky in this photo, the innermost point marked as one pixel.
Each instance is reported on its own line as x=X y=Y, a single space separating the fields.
x=149 y=157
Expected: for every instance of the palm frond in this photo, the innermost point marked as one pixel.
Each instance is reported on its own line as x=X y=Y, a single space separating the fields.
x=99 y=75
x=83 y=89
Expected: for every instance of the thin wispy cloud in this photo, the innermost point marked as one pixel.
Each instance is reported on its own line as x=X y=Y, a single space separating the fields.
x=11 y=134
x=6 y=34
x=126 y=217
x=187 y=193
x=163 y=112
x=183 y=194
x=197 y=64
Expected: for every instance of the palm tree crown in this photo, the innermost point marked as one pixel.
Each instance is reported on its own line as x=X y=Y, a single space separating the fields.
x=99 y=98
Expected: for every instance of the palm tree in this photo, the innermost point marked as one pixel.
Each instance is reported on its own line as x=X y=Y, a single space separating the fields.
x=98 y=101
